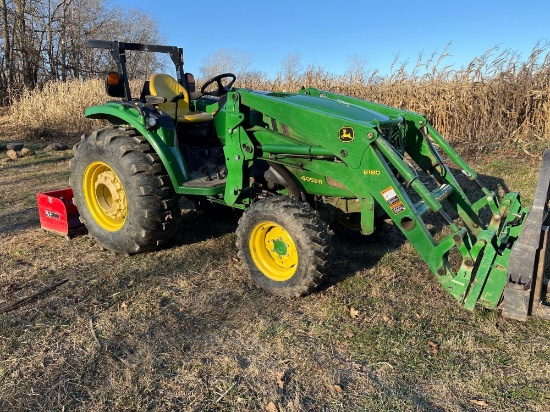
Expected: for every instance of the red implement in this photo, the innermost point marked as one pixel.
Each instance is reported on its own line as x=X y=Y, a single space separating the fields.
x=57 y=212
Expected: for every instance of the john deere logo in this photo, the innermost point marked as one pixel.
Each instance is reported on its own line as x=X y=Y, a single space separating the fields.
x=346 y=134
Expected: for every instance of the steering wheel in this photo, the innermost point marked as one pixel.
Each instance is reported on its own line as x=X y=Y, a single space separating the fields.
x=221 y=90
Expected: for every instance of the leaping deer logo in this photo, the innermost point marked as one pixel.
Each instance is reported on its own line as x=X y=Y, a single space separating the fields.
x=346 y=134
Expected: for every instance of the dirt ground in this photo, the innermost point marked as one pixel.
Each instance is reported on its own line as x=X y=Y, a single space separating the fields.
x=184 y=328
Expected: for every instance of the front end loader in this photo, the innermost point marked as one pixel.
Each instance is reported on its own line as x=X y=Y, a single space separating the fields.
x=297 y=164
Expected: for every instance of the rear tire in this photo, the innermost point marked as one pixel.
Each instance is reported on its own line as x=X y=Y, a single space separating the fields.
x=122 y=191
x=284 y=245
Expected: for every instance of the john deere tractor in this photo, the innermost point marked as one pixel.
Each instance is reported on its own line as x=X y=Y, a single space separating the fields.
x=296 y=163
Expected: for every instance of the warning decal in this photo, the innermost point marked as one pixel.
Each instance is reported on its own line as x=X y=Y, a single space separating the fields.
x=396 y=205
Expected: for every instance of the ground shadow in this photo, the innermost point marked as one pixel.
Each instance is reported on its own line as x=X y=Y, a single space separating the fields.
x=350 y=254
x=359 y=253
x=197 y=226
x=19 y=221
x=178 y=332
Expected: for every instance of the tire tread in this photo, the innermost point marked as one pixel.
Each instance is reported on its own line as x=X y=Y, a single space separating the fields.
x=156 y=213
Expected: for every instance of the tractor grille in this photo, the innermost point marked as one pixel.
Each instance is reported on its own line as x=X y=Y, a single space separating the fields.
x=395 y=134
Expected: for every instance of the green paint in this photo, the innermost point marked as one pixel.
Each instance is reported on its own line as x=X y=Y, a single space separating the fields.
x=348 y=154
x=280 y=247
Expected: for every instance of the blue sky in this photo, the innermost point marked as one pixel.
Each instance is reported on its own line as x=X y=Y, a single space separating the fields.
x=326 y=33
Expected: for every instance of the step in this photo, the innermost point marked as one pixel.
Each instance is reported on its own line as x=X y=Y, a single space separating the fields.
x=202 y=187
x=203 y=183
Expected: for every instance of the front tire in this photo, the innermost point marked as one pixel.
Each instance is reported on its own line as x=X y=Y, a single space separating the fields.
x=122 y=192
x=284 y=245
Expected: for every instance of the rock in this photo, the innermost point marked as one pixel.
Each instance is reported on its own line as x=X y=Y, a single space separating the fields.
x=54 y=147
x=27 y=152
x=12 y=154
x=15 y=146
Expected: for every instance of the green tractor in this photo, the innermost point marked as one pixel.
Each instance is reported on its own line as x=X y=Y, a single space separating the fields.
x=296 y=163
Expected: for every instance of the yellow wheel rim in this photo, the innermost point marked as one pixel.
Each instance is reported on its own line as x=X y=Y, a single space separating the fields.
x=273 y=251
x=104 y=196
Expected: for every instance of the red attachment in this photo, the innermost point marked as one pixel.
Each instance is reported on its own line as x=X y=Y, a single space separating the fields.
x=57 y=211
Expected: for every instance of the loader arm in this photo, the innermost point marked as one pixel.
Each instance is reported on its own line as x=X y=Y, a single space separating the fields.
x=342 y=158
x=344 y=147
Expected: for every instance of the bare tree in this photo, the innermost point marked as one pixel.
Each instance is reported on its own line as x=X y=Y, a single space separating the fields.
x=139 y=28
x=356 y=71
x=45 y=40
x=225 y=61
x=7 y=62
x=291 y=67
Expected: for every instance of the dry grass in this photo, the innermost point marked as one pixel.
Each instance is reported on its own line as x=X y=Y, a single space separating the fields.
x=184 y=328
x=58 y=108
x=499 y=101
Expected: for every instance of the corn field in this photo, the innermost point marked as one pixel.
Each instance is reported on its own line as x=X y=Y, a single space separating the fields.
x=497 y=102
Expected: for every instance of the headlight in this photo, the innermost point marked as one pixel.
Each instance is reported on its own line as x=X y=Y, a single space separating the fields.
x=151 y=122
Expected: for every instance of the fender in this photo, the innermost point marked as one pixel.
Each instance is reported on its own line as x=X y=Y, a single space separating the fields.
x=161 y=137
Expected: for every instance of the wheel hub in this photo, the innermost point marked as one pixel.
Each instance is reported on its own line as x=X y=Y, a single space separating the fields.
x=279 y=244
x=105 y=197
x=110 y=195
x=274 y=251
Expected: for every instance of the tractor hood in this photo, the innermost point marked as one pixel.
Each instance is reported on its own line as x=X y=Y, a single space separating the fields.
x=330 y=107
x=318 y=119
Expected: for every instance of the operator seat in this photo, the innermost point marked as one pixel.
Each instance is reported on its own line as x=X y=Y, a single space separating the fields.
x=166 y=86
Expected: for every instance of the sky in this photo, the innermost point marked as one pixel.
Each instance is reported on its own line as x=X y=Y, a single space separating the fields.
x=328 y=33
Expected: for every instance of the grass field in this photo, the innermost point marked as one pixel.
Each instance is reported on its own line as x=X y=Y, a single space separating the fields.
x=184 y=328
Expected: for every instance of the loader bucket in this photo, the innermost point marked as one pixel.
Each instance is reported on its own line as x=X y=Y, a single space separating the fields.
x=526 y=290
